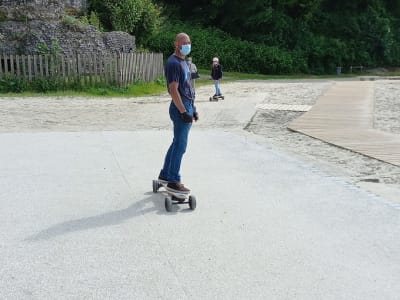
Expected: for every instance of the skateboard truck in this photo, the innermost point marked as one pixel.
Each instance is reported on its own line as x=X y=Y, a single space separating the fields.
x=173 y=198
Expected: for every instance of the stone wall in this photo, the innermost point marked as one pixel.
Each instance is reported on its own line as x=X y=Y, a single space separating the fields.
x=18 y=38
x=32 y=10
x=119 y=41
x=32 y=23
x=36 y=9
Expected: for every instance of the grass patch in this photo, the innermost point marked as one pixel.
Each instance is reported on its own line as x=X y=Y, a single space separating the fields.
x=146 y=89
x=205 y=77
x=13 y=88
x=19 y=89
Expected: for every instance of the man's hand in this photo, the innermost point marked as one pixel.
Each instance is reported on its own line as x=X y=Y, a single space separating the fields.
x=196 y=116
x=186 y=117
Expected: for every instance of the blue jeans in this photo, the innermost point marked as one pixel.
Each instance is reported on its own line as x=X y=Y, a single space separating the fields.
x=173 y=159
x=217 y=90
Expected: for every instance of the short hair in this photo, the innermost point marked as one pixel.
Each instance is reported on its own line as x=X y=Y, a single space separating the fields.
x=181 y=35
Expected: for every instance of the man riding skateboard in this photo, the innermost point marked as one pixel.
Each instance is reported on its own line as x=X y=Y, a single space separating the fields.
x=181 y=111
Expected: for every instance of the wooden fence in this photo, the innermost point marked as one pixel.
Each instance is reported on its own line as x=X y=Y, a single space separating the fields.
x=115 y=68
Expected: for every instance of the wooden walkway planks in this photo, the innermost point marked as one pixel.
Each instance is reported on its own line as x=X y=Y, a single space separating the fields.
x=343 y=116
x=287 y=107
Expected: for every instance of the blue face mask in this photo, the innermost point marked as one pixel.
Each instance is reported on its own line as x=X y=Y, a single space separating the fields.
x=185 y=49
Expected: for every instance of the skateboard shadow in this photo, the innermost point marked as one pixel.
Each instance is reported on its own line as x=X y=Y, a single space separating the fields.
x=153 y=203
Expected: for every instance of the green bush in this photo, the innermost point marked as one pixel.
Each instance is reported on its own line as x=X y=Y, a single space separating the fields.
x=73 y=23
x=235 y=54
x=44 y=85
x=95 y=21
x=140 y=18
x=3 y=15
x=12 y=84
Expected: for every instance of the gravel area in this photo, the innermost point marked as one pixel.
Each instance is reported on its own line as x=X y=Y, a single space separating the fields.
x=387 y=106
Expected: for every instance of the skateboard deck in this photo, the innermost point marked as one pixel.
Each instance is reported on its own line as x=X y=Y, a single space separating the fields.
x=173 y=198
x=216 y=98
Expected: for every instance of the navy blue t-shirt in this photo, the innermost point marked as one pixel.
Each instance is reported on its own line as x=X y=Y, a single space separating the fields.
x=176 y=69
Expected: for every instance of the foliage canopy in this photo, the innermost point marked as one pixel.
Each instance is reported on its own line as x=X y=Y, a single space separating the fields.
x=266 y=36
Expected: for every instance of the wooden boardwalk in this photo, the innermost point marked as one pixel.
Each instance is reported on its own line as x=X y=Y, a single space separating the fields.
x=343 y=116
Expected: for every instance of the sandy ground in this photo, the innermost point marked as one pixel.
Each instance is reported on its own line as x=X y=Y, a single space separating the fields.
x=237 y=111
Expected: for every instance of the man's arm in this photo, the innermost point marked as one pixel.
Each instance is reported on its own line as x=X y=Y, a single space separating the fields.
x=176 y=97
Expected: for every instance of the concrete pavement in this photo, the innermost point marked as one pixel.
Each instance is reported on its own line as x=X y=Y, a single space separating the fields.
x=79 y=221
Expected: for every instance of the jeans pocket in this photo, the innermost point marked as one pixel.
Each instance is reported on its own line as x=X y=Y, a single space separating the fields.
x=174 y=113
x=189 y=107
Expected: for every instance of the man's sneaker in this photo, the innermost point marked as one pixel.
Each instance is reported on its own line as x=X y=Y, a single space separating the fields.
x=177 y=188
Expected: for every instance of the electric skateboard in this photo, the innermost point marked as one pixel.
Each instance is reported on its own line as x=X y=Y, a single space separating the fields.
x=173 y=198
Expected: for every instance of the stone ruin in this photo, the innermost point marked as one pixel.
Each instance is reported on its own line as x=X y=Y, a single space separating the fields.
x=25 y=25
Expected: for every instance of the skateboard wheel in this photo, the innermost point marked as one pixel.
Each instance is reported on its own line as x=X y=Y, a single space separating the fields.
x=156 y=186
x=168 y=204
x=192 y=202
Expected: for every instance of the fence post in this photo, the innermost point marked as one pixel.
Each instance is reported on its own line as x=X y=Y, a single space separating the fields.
x=2 y=63
x=117 y=69
x=130 y=73
x=23 y=63
x=95 y=78
x=62 y=68
x=135 y=67
x=41 y=67
x=78 y=69
x=30 y=67
x=121 y=68
x=12 y=64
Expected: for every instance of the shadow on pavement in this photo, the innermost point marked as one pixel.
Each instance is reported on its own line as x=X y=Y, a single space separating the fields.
x=138 y=208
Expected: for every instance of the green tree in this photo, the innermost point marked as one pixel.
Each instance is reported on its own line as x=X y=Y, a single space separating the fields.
x=140 y=18
x=318 y=34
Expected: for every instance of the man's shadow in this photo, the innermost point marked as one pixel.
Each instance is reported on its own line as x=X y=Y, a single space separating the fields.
x=138 y=208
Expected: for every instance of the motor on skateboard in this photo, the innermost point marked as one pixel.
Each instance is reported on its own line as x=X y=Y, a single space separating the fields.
x=173 y=198
x=216 y=98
